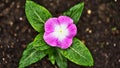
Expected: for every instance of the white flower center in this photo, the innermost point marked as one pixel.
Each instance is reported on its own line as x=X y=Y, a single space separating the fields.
x=60 y=31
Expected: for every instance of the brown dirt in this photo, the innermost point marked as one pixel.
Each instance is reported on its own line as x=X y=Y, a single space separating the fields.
x=98 y=28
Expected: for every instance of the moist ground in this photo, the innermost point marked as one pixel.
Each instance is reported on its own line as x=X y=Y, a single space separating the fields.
x=98 y=28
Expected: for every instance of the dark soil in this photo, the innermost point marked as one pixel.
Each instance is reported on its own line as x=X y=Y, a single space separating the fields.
x=98 y=28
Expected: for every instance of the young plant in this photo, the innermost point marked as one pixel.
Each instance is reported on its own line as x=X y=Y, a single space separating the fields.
x=56 y=38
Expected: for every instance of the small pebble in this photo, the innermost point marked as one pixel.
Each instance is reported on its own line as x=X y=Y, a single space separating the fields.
x=115 y=0
x=29 y=30
x=99 y=22
x=88 y=30
x=18 y=5
x=17 y=28
x=8 y=46
x=3 y=59
x=107 y=43
x=11 y=23
x=114 y=45
x=89 y=11
x=108 y=20
x=118 y=60
x=20 y=18
x=12 y=46
x=15 y=34
x=8 y=55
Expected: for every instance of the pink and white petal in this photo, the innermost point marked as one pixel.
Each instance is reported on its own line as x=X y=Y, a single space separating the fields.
x=65 y=20
x=64 y=44
x=72 y=30
x=50 y=39
x=50 y=24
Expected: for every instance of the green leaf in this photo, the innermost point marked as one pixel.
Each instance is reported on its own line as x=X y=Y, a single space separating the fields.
x=30 y=56
x=55 y=56
x=61 y=60
x=39 y=43
x=78 y=53
x=36 y=15
x=52 y=55
x=75 y=12
x=34 y=52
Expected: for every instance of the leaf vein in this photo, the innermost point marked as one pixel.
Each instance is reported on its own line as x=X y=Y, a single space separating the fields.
x=37 y=15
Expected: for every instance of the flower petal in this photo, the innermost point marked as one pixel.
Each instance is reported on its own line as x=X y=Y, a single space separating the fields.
x=72 y=30
x=64 y=44
x=50 y=39
x=59 y=32
x=50 y=24
x=65 y=20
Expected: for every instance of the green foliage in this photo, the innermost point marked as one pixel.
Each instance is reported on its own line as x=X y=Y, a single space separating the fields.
x=78 y=53
x=30 y=56
x=52 y=55
x=55 y=56
x=39 y=43
x=61 y=60
x=36 y=50
x=75 y=12
x=36 y=15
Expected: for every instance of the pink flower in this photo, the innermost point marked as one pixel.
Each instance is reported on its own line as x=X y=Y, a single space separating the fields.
x=59 y=32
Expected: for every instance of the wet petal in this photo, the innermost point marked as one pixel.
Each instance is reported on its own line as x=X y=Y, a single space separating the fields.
x=50 y=39
x=72 y=30
x=64 y=44
x=59 y=32
x=65 y=20
x=50 y=24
